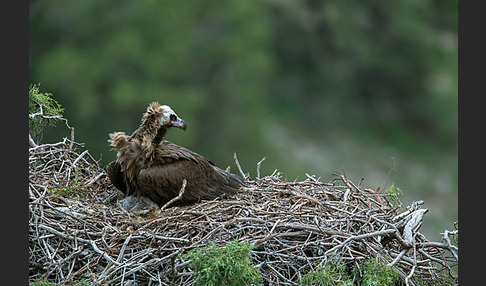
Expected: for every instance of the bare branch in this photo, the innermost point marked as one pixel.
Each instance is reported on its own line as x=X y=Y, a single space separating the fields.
x=258 y=167
x=179 y=196
x=239 y=166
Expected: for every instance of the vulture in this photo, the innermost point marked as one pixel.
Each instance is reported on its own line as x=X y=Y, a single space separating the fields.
x=149 y=166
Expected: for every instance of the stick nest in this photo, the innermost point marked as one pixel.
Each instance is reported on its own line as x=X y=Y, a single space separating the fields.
x=77 y=230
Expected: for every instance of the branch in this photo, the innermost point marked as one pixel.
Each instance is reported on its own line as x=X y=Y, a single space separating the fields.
x=399 y=256
x=181 y=192
x=359 y=237
x=32 y=143
x=238 y=165
x=413 y=224
x=258 y=167
x=90 y=242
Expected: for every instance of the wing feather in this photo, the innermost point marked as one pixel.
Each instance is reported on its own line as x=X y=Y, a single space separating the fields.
x=162 y=180
x=113 y=169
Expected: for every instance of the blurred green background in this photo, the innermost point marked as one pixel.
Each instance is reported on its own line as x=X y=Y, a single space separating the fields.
x=315 y=86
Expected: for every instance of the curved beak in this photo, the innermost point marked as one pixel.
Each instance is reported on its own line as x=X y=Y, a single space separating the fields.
x=179 y=124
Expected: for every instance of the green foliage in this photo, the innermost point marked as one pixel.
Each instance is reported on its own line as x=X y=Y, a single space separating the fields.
x=229 y=265
x=455 y=237
x=84 y=283
x=394 y=192
x=334 y=273
x=455 y=240
x=445 y=278
x=73 y=188
x=49 y=106
x=374 y=273
x=263 y=62
x=378 y=274
x=40 y=282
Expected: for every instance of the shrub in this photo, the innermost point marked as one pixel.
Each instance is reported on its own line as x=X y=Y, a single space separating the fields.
x=334 y=273
x=40 y=282
x=47 y=109
x=378 y=274
x=229 y=265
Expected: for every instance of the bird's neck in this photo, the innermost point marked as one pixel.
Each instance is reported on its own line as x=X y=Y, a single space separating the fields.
x=148 y=127
x=160 y=135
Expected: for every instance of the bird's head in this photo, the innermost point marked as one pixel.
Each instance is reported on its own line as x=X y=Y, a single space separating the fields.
x=156 y=121
x=170 y=119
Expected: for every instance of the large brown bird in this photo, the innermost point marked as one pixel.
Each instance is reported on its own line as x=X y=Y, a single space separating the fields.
x=147 y=165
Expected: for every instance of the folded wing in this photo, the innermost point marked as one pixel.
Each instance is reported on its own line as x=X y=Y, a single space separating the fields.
x=162 y=179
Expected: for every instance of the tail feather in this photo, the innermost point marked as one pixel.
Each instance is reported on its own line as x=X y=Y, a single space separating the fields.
x=234 y=182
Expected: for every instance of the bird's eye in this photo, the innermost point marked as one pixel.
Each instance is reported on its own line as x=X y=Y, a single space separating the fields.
x=173 y=117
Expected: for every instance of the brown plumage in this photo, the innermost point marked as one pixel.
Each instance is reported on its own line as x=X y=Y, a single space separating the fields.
x=148 y=165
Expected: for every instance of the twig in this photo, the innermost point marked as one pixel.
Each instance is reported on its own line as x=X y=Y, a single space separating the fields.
x=181 y=193
x=122 y=250
x=258 y=167
x=399 y=256
x=32 y=143
x=448 y=244
x=95 y=178
x=359 y=237
x=238 y=165
x=412 y=271
x=413 y=224
x=90 y=242
x=79 y=157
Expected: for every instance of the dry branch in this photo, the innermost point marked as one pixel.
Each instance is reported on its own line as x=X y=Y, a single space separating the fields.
x=179 y=196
